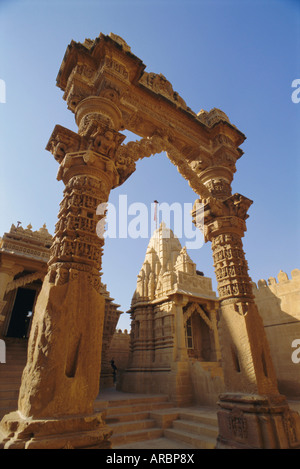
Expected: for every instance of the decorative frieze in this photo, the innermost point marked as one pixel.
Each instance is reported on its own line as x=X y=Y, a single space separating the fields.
x=238 y=426
x=26 y=242
x=160 y=85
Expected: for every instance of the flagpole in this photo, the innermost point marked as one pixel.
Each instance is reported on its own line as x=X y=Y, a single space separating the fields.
x=155 y=212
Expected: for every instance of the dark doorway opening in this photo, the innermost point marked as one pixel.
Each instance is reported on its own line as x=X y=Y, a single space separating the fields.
x=22 y=313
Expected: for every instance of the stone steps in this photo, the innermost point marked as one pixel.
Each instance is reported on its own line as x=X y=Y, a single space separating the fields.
x=8 y=402
x=11 y=374
x=9 y=393
x=195 y=441
x=152 y=422
x=118 y=440
x=180 y=429
x=161 y=443
x=202 y=416
x=192 y=427
x=130 y=419
x=196 y=428
x=10 y=383
x=126 y=427
x=128 y=409
x=14 y=373
x=6 y=409
x=134 y=419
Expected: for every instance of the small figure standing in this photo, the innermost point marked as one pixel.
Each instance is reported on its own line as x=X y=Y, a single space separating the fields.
x=112 y=363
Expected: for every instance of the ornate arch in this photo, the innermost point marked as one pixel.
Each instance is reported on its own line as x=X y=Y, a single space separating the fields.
x=194 y=307
x=128 y=154
x=23 y=281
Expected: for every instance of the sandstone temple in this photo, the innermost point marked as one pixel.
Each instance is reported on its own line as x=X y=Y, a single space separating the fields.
x=196 y=360
x=174 y=320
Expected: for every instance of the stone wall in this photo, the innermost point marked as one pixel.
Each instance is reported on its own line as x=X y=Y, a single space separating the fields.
x=278 y=302
x=119 y=352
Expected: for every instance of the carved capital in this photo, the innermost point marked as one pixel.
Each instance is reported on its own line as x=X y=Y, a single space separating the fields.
x=105 y=141
x=238 y=205
x=97 y=111
x=227 y=224
x=215 y=167
x=63 y=141
x=219 y=187
x=227 y=216
x=92 y=154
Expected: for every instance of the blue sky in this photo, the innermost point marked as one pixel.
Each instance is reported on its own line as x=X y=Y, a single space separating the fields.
x=237 y=55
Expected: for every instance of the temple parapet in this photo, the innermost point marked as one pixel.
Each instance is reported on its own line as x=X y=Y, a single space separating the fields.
x=26 y=242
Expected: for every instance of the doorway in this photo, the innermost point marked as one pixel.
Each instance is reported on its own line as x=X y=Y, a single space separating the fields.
x=21 y=313
x=198 y=338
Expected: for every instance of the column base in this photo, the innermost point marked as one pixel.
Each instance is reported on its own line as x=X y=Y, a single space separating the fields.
x=257 y=422
x=74 y=432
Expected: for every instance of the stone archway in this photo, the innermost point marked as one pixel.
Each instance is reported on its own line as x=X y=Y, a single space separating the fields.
x=107 y=88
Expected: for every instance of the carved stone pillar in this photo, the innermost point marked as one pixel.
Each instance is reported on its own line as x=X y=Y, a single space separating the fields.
x=253 y=413
x=61 y=379
x=248 y=365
